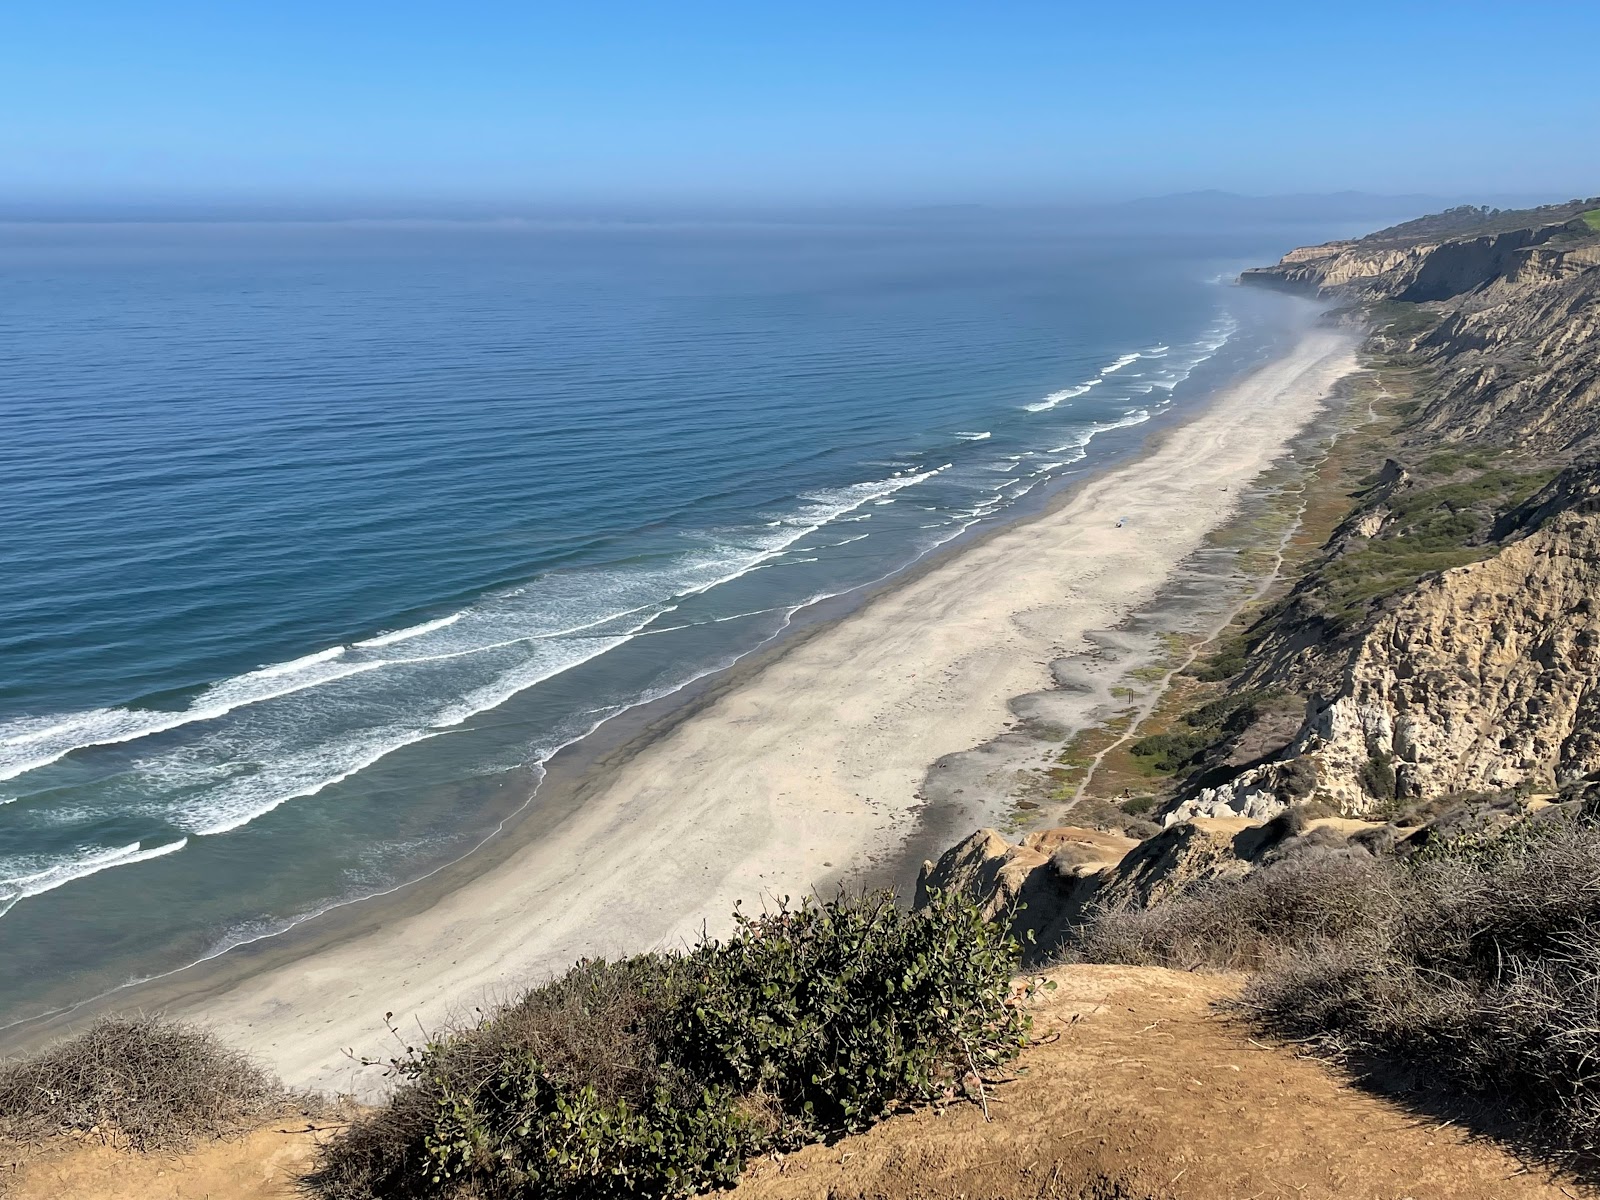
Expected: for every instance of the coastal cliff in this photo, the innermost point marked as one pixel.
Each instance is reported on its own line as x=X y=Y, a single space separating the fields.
x=1445 y=641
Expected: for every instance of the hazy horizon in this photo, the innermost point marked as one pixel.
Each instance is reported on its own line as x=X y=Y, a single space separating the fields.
x=1204 y=208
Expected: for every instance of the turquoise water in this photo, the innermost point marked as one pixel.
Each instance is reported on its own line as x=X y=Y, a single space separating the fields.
x=315 y=533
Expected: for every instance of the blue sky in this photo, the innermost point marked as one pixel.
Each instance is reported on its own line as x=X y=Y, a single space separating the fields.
x=800 y=102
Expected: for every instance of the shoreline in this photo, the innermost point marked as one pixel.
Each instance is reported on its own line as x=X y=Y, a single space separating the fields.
x=804 y=765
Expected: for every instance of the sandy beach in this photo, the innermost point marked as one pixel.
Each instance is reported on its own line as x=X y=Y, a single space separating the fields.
x=807 y=768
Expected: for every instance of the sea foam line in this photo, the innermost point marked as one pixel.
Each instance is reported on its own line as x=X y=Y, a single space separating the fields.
x=232 y=803
x=1055 y=398
x=19 y=887
x=1215 y=339
x=404 y=635
x=30 y=744
x=538 y=766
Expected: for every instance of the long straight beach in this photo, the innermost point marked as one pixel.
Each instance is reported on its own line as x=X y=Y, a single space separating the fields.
x=808 y=767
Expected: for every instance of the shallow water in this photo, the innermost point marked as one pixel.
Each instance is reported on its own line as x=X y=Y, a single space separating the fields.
x=313 y=533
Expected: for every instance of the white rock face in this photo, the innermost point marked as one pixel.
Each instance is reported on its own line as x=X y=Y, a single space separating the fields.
x=1483 y=678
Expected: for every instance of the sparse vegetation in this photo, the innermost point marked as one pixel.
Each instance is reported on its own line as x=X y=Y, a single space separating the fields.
x=1426 y=530
x=1473 y=966
x=658 y=1075
x=1469 y=220
x=1203 y=728
x=1241 y=924
x=1451 y=462
x=145 y=1083
x=1378 y=777
x=1402 y=322
x=1225 y=661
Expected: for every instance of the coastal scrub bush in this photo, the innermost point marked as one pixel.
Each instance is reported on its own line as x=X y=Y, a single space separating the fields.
x=146 y=1083
x=1245 y=923
x=1471 y=968
x=836 y=1013
x=1203 y=730
x=658 y=1075
x=1485 y=976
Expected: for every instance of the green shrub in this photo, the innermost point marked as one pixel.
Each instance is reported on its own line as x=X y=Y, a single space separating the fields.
x=1172 y=751
x=1426 y=531
x=1449 y=462
x=1208 y=726
x=1378 y=777
x=837 y=1012
x=1227 y=659
x=659 y=1074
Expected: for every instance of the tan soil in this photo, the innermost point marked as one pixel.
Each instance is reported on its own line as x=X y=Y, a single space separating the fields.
x=1146 y=1093
x=1138 y=1090
x=264 y=1165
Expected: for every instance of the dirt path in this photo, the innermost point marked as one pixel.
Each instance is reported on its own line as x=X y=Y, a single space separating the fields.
x=263 y=1166
x=1146 y=1094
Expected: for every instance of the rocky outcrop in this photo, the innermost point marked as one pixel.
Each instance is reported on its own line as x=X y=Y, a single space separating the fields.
x=1518 y=317
x=1479 y=677
x=1446 y=642
x=1040 y=884
x=1048 y=883
x=1431 y=264
x=1320 y=270
x=1518 y=366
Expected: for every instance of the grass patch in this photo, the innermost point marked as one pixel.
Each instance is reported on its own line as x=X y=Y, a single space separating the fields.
x=1402 y=321
x=1427 y=531
x=1592 y=219
x=1198 y=731
x=1452 y=462
x=660 y=1074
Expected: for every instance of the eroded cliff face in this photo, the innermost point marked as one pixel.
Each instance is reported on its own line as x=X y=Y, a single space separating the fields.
x=1479 y=672
x=1481 y=678
x=1416 y=267
x=1518 y=363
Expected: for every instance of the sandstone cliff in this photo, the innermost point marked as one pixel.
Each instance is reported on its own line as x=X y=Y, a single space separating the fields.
x=1448 y=639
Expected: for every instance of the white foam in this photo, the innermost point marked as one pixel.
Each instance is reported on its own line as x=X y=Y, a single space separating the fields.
x=295 y=770
x=971 y=437
x=226 y=775
x=403 y=635
x=29 y=745
x=1055 y=398
x=1125 y=360
x=299 y=664
x=19 y=887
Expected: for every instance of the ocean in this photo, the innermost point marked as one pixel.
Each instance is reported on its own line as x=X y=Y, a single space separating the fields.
x=319 y=540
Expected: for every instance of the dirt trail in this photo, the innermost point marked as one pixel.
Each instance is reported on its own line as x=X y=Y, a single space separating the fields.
x=1137 y=1091
x=1146 y=1094
x=263 y=1166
